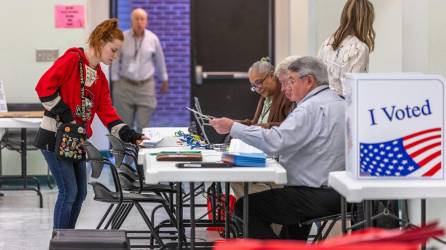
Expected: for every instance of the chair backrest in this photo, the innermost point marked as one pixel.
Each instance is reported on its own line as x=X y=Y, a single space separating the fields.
x=117 y=149
x=97 y=165
x=95 y=158
x=129 y=151
x=122 y=151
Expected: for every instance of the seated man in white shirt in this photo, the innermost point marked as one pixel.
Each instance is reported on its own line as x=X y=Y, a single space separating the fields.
x=310 y=144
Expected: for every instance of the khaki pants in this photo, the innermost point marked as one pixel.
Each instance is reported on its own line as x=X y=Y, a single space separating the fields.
x=255 y=187
x=135 y=103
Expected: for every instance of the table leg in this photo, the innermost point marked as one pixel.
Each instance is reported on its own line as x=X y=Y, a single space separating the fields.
x=367 y=213
x=192 y=215
x=23 y=157
x=423 y=218
x=23 y=175
x=227 y=193
x=344 y=215
x=179 y=214
x=245 y=209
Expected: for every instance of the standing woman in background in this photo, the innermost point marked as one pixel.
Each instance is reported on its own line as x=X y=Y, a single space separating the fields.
x=347 y=50
x=61 y=90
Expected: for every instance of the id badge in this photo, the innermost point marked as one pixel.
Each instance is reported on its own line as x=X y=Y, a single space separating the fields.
x=132 y=67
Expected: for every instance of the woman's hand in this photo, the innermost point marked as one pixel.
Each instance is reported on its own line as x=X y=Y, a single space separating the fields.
x=139 y=141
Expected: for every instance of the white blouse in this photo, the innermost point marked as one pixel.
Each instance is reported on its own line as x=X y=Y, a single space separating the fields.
x=351 y=56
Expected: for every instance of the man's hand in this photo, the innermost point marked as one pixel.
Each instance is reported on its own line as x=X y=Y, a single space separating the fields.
x=165 y=87
x=222 y=125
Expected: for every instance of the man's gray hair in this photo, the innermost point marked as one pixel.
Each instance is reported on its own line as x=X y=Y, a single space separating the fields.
x=263 y=66
x=309 y=65
x=283 y=65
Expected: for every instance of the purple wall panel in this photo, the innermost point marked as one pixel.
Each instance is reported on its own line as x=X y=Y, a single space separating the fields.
x=170 y=21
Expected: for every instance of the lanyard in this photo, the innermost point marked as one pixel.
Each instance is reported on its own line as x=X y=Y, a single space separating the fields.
x=137 y=47
x=321 y=90
x=262 y=115
x=83 y=101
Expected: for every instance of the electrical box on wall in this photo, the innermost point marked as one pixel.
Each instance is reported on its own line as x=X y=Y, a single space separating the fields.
x=395 y=126
x=46 y=55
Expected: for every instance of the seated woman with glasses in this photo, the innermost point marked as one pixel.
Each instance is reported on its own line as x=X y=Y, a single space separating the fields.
x=273 y=107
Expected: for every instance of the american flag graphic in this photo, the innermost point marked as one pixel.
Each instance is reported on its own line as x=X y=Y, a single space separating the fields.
x=415 y=155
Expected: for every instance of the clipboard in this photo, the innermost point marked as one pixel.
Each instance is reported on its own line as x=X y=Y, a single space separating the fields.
x=203 y=116
x=179 y=157
x=201 y=120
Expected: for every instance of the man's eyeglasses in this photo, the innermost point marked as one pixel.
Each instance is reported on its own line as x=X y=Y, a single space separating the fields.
x=289 y=82
x=259 y=83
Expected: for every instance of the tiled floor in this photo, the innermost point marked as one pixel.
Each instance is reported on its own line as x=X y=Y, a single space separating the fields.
x=25 y=226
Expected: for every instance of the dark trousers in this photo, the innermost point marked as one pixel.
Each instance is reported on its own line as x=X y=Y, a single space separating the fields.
x=288 y=206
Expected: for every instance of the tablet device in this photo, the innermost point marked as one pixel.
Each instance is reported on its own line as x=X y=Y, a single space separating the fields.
x=203 y=165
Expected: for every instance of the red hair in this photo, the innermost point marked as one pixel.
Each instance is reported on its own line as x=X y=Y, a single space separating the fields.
x=107 y=31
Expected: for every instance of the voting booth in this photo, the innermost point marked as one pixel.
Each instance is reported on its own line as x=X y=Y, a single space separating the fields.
x=395 y=126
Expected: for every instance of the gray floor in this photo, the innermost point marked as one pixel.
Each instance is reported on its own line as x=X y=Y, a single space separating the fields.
x=23 y=225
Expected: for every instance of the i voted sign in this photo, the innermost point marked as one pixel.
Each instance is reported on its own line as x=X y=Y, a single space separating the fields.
x=395 y=125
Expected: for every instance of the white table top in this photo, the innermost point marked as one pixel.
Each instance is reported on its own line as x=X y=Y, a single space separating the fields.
x=20 y=122
x=164 y=131
x=357 y=190
x=166 y=171
x=168 y=141
x=167 y=144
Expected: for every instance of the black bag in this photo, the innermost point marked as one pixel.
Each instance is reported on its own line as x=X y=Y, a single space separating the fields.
x=70 y=136
x=69 y=140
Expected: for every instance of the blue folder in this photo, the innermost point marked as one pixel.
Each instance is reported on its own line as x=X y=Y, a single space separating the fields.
x=245 y=159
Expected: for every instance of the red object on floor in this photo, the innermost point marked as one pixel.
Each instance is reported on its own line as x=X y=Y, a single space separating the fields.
x=220 y=210
x=369 y=239
x=300 y=245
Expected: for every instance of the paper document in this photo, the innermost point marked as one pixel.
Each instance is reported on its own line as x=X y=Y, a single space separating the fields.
x=239 y=146
x=154 y=138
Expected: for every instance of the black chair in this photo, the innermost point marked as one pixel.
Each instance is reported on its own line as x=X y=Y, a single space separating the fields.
x=321 y=223
x=123 y=201
x=126 y=155
x=133 y=179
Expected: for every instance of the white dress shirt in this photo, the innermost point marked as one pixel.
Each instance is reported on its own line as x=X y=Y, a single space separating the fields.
x=310 y=142
x=140 y=58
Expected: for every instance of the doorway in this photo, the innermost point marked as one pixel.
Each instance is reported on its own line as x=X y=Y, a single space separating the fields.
x=226 y=38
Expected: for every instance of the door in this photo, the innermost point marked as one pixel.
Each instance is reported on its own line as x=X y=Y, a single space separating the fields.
x=227 y=37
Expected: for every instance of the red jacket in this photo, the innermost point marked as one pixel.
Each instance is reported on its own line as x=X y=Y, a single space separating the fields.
x=59 y=92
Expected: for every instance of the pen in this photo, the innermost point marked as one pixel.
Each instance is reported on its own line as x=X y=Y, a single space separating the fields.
x=178 y=152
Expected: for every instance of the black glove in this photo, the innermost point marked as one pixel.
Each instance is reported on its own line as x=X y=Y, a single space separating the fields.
x=66 y=116
x=129 y=135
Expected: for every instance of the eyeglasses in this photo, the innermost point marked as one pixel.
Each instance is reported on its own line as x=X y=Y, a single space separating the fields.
x=291 y=82
x=258 y=84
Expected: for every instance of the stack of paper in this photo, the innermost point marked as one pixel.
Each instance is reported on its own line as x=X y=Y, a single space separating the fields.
x=154 y=138
x=152 y=142
x=244 y=155
x=245 y=159
x=239 y=146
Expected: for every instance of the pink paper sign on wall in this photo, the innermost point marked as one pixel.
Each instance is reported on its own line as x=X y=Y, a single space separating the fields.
x=69 y=16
